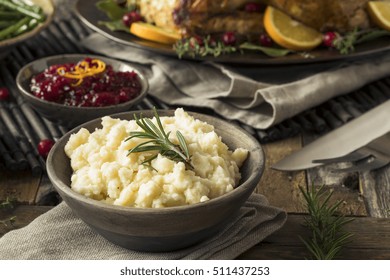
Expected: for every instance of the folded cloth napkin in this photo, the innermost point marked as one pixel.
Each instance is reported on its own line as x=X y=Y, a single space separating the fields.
x=257 y=96
x=59 y=234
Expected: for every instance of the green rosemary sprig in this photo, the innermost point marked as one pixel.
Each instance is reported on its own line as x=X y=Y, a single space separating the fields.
x=158 y=140
x=192 y=48
x=327 y=234
x=9 y=221
x=346 y=43
x=8 y=203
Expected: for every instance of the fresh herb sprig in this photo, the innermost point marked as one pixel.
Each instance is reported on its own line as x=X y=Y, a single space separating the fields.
x=115 y=13
x=327 y=234
x=346 y=43
x=158 y=140
x=209 y=46
x=8 y=203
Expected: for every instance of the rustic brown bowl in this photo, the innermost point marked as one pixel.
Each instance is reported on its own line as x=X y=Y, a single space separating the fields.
x=70 y=116
x=165 y=229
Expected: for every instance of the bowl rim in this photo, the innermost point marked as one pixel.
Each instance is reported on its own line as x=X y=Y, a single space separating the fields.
x=78 y=56
x=49 y=18
x=237 y=191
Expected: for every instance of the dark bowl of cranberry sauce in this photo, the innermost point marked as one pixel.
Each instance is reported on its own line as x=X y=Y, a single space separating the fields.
x=72 y=89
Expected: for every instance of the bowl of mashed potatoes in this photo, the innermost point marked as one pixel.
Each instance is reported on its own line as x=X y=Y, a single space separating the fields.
x=150 y=201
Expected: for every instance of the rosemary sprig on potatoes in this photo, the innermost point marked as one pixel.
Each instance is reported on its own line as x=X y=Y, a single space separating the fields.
x=158 y=140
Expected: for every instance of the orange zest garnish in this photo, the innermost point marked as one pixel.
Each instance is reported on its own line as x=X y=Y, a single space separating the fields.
x=83 y=69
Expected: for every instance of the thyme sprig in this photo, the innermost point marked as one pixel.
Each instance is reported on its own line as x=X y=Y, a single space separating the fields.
x=8 y=203
x=158 y=140
x=327 y=234
x=346 y=43
x=209 y=46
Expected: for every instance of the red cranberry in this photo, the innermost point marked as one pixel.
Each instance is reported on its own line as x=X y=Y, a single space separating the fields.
x=44 y=147
x=328 y=39
x=131 y=17
x=265 y=40
x=253 y=7
x=104 y=99
x=4 y=93
x=196 y=41
x=229 y=38
x=123 y=96
x=103 y=89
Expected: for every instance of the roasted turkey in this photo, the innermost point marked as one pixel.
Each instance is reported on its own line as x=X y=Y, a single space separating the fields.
x=202 y=16
x=209 y=17
x=326 y=15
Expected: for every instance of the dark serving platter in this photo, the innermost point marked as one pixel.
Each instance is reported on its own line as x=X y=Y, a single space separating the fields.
x=90 y=15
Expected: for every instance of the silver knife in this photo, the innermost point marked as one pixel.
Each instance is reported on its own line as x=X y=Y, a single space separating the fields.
x=341 y=141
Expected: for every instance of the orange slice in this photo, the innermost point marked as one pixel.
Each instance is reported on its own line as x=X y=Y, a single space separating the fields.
x=289 y=33
x=153 y=33
x=380 y=13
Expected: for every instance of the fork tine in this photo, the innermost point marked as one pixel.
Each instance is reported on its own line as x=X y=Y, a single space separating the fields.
x=354 y=156
x=366 y=166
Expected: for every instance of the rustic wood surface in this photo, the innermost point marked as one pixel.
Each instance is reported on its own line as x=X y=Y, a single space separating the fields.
x=365 y=198
x=282 y=188
x=375 y=187
x=345 y=186
x=371 y=240
x=20 y=186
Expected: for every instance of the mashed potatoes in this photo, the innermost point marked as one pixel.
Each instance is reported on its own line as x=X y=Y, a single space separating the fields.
x=104 y=170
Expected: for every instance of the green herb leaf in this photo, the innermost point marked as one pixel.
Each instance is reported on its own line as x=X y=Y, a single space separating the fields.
x=116 y=25
x=327 y=235
x=183 y=143
x=8 y=203
x=372 y=35
x=273 y=52
x=192 y=48
x=346 y=43
x=159 y=141
x=112 y=9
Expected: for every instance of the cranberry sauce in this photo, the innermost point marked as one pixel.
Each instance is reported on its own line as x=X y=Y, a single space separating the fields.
x=104 y=88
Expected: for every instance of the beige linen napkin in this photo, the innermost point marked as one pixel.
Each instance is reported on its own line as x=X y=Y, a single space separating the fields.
x=59 y=234
x=258 y=96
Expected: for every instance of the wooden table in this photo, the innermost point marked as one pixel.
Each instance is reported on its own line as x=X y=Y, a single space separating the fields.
x=365 y=196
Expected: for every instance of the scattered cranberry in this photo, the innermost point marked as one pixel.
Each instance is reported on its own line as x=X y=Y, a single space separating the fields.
x=329 y=38
x=44 y=147
x=196 y=41
x=229 y=38
x=4 y=93
x=265 y=40
x=253 y=7
x=131 y=17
